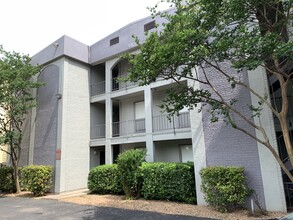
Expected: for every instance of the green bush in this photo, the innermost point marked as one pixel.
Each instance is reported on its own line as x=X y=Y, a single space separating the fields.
x=128 y=164
x=104 y=180
x=6 y=179
x=37 y=179
x=224 y=187
x=169 y=181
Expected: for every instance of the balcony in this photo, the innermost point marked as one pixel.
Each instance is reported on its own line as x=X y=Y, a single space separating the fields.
x=98 y=131
x=137 y=126
x=98 y=88
x=130 y=127
x=117 y=84
x=162 y=122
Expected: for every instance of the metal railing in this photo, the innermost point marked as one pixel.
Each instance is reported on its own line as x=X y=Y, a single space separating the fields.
x=118 y=84
x=125 y=128
x=98 y=88
x=98 y=131
x=162 y=122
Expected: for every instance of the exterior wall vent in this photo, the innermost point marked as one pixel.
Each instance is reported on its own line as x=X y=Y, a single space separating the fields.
x=114 y=41
x=149 y=25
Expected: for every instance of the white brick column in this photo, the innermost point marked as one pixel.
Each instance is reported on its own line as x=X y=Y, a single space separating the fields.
x=270 y=169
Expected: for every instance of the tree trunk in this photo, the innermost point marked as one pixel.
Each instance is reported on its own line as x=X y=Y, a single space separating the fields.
x=17 y=185
x=16 y=176
x=280 y=162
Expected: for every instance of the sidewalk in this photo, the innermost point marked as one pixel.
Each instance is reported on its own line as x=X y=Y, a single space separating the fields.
x=68 y=194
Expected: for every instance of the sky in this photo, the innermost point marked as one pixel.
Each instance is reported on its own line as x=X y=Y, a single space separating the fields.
x=28 y=26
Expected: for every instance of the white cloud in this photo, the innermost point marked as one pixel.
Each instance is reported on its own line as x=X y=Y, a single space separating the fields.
x=29 y=26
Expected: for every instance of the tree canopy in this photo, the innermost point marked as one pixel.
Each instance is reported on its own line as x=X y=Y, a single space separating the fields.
x=200 y=37
x=16 y=98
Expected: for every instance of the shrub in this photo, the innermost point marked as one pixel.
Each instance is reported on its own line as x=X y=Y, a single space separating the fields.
x=6 y=179
x=128 y=164
x=104 y=180
x=169 y=181
x=37 y=179
x=224 y=187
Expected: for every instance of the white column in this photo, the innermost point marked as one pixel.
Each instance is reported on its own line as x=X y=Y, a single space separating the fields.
x=198 y=145
x=108 y=109
x=32 y=136
x=270 y=169
x=108 y=146
x=59 y=166
x=148 y=102
x=32 y=128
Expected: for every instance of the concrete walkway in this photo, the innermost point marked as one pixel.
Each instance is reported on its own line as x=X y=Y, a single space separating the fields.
x=68 y=194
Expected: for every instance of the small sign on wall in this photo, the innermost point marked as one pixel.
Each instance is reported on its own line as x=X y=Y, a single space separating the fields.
x=58 y=154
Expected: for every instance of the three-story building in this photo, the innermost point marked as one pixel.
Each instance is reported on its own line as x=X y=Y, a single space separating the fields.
x=85 y=117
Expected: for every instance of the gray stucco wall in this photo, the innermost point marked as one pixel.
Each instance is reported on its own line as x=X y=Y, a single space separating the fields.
x=169 y=151
x=102 y=50
x=97 y=114
x=46 y=117
x=226 y=146
x=63 y=46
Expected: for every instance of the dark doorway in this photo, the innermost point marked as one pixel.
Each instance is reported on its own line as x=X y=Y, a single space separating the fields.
x=102 y=157
x=116 y=152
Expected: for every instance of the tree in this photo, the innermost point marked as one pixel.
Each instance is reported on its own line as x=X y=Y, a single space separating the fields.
x=200 y=37
x=16 y=99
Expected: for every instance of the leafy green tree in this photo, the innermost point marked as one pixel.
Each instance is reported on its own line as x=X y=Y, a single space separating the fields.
x=197 y=42
x=16 y=84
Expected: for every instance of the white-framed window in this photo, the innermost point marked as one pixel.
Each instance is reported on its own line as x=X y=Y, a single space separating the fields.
x=139 y=116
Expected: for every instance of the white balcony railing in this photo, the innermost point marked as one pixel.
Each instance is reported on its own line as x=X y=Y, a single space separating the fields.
x=98 y=131
x=162 y=122
x=125 y=128
x=118 y=84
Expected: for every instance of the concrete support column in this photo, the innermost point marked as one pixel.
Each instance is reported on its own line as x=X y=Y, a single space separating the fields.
x=109 y=110
x=198 y=146
x=32 y=129
x=148 y=102
x=270 y=169
x=59 y=165
x=108 y=153
x=32 y=137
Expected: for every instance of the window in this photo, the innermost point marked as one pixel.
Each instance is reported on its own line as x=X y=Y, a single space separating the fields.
x=139 y=117
x=114 y=41
x=139 y=110
x=149 y=26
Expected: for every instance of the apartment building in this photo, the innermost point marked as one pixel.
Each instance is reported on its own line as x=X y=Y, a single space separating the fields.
x=85 y=117
x=3 y=156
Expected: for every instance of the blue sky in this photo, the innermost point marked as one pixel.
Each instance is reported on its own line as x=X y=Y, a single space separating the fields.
x=27 y=26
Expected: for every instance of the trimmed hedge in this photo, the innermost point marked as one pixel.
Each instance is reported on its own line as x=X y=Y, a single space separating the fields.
x=104 y=180
x=6 y=179
x=224 y=187
x=169 y=181
x=37 y=179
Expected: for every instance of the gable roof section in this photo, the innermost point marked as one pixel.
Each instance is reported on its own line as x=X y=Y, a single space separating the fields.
x=114 y=44
x=64 y=46
x=103 y=50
